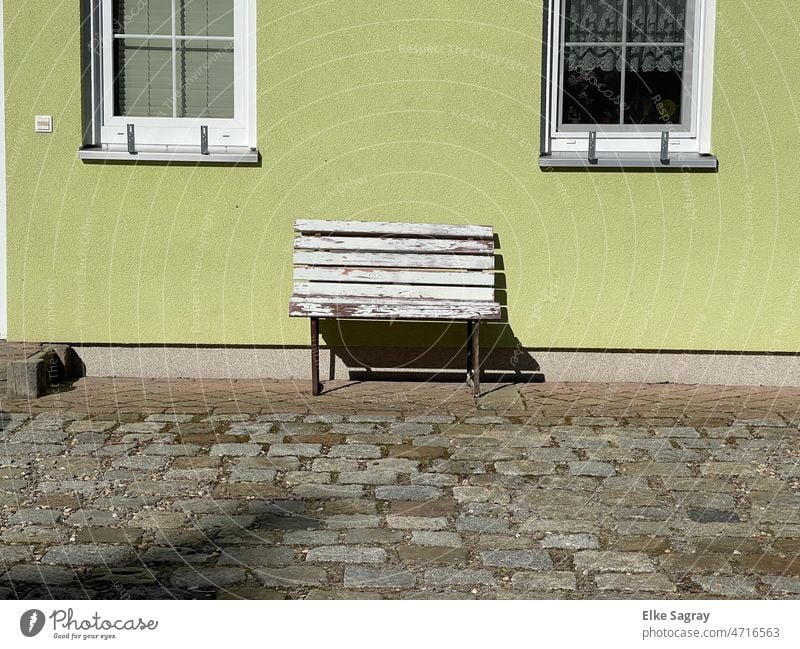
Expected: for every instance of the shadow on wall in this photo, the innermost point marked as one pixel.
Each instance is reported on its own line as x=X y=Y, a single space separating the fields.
x=427 y=350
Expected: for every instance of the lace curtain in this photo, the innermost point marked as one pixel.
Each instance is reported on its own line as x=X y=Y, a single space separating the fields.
x=647 y=21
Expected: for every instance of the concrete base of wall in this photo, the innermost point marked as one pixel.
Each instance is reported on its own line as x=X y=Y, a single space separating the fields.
x=441 y=364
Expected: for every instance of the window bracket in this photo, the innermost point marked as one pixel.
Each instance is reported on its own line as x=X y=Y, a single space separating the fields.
x=131 y=139
x=592 y=147
x=665 y=147
x=204 y=140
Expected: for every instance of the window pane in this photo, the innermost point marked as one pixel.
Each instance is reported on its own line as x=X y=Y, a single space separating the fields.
x=150 y=17
x=205 y=17
x=593 y=21
x=143 y=73
x=657 y=21
x=592 y=85
x=205 y=79
x=654 y=85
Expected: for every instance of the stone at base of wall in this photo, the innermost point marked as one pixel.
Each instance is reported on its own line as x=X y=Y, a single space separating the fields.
x=443 y=364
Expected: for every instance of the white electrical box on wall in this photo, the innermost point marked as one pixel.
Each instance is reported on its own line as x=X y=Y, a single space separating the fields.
x=43 y=124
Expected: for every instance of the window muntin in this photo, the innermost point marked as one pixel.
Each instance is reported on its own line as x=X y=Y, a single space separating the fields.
x=174 y=59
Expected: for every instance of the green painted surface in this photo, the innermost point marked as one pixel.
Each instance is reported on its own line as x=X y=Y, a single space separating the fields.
x=387 y=110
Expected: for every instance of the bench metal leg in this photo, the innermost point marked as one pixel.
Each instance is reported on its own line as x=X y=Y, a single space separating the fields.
x=469 y=351
x=315 y=386
x=474 y=356
x=476 y=359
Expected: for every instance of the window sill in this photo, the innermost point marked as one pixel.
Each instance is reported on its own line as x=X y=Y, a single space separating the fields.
x=229 y=155
x=651 y=161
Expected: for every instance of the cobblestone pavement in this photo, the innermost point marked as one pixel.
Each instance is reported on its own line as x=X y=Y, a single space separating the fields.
x=187 y=489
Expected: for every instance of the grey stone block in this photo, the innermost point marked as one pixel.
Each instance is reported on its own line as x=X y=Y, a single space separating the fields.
x=413 y=492
x=362 y=577
x=27 y=379
x=170 y=418
x=486 y=420
x=345 y=554
x=172 y=450
x=299 y=450
x=25 y=573
x=399 y=464
x=35 y=517
x=727 y=586
x=416 y=522
x=782 y=584
x=645 y=583
x=208 y=577
x=431 y=419
x=372 y=419
x=351 y=521
x=141 y=462
x=236 y=450
x=257 y=556
x=11 y=554
x=592 y=468
x=571 y=541
x=141 y=428
x=610 y=561
x=414 y=429
x=85 y=554
x=243 y=474
x=292 y=576
x=93 y=517
x=437 y=539
x=33 y=434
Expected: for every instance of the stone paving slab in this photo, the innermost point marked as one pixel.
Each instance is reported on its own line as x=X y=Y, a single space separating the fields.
x=190 y=489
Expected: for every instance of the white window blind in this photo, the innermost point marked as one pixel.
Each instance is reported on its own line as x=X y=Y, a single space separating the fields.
x=174 y=58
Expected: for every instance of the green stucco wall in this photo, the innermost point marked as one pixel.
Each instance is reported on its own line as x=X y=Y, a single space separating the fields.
x=355 y=124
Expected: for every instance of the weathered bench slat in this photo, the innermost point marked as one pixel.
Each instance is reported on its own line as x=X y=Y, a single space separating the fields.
x=393 y=260
x=308 y=226
x=392 y=276
x=397 y=309
x=378 y=244
x=392 y=291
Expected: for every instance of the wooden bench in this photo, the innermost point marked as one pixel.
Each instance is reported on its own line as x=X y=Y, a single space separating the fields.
x=402 y=271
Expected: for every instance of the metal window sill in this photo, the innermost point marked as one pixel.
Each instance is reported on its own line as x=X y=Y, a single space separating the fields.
x=607 y=160
x=230 y=155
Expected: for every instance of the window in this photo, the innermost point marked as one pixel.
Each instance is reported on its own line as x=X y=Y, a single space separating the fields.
x=170 y=80
x=628 y=83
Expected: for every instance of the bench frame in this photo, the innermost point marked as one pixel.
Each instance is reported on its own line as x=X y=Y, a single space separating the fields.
x=380 y=271
x=473 y=357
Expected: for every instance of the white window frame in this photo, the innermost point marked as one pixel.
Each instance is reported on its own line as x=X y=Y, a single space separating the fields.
x=631 y=145
x=166 y=138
